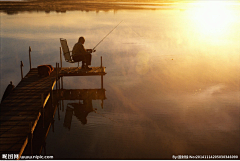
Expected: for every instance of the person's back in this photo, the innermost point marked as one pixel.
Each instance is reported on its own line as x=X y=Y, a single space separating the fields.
x=79 y=49
x=81 y=54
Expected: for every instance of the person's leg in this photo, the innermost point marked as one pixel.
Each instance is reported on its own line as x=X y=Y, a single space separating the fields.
x=83 y=64
x=79 y=58
x=88 y=59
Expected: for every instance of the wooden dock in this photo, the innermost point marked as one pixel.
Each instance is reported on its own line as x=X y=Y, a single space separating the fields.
x=78 y=71
x=21 y=110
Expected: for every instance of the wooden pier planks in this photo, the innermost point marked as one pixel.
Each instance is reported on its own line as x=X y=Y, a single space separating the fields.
x=74 y=71
x=21 y=110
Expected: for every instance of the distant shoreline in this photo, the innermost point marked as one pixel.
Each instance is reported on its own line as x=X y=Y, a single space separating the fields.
x=62 y=6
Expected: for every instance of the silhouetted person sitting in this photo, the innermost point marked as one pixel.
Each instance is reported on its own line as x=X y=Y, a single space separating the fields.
x=82 y=54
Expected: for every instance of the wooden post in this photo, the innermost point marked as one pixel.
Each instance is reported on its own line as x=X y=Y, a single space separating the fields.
x=101 y=81
x=61 y=57
x=101 y=75
x=30 y=63
x=62 y=82
x=21 y=69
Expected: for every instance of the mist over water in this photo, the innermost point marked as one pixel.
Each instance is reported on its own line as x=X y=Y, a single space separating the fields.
x=172 y=82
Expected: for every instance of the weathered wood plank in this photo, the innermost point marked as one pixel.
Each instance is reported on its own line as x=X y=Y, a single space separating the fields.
x=11 y=148
x=20 y=113
x=15 y=123
x=23 y=106
x=11 y=140
x=13 y=130
x=26 y=91
x=20 y=100
x=15 y=96
x=17 y=118
x=14 y=135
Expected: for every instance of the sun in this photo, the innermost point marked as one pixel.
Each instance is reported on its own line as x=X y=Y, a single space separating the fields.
x=212 y=17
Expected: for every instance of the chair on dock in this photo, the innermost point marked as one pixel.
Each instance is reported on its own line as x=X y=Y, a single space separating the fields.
x=66 y=53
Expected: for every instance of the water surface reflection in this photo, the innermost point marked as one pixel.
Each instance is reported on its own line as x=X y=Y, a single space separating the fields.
x=83 y=106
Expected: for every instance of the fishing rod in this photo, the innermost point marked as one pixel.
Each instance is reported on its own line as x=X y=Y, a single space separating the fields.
x=106 y=36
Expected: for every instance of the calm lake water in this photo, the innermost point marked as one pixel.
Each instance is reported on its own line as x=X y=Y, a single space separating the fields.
x=172 y=82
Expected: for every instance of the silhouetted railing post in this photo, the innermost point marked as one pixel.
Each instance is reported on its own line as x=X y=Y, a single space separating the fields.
x=21 y=69
x=30 y=63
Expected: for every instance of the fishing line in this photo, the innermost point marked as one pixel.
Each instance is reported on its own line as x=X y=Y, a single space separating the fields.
x=107 y=35
x=141 y=37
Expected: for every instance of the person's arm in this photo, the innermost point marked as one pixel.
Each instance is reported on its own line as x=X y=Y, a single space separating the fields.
x=83 y=50
x=89 y=50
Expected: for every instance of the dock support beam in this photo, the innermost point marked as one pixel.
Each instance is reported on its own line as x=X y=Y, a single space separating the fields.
x=30 y=63
x=61 y=82
x=101 y=81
